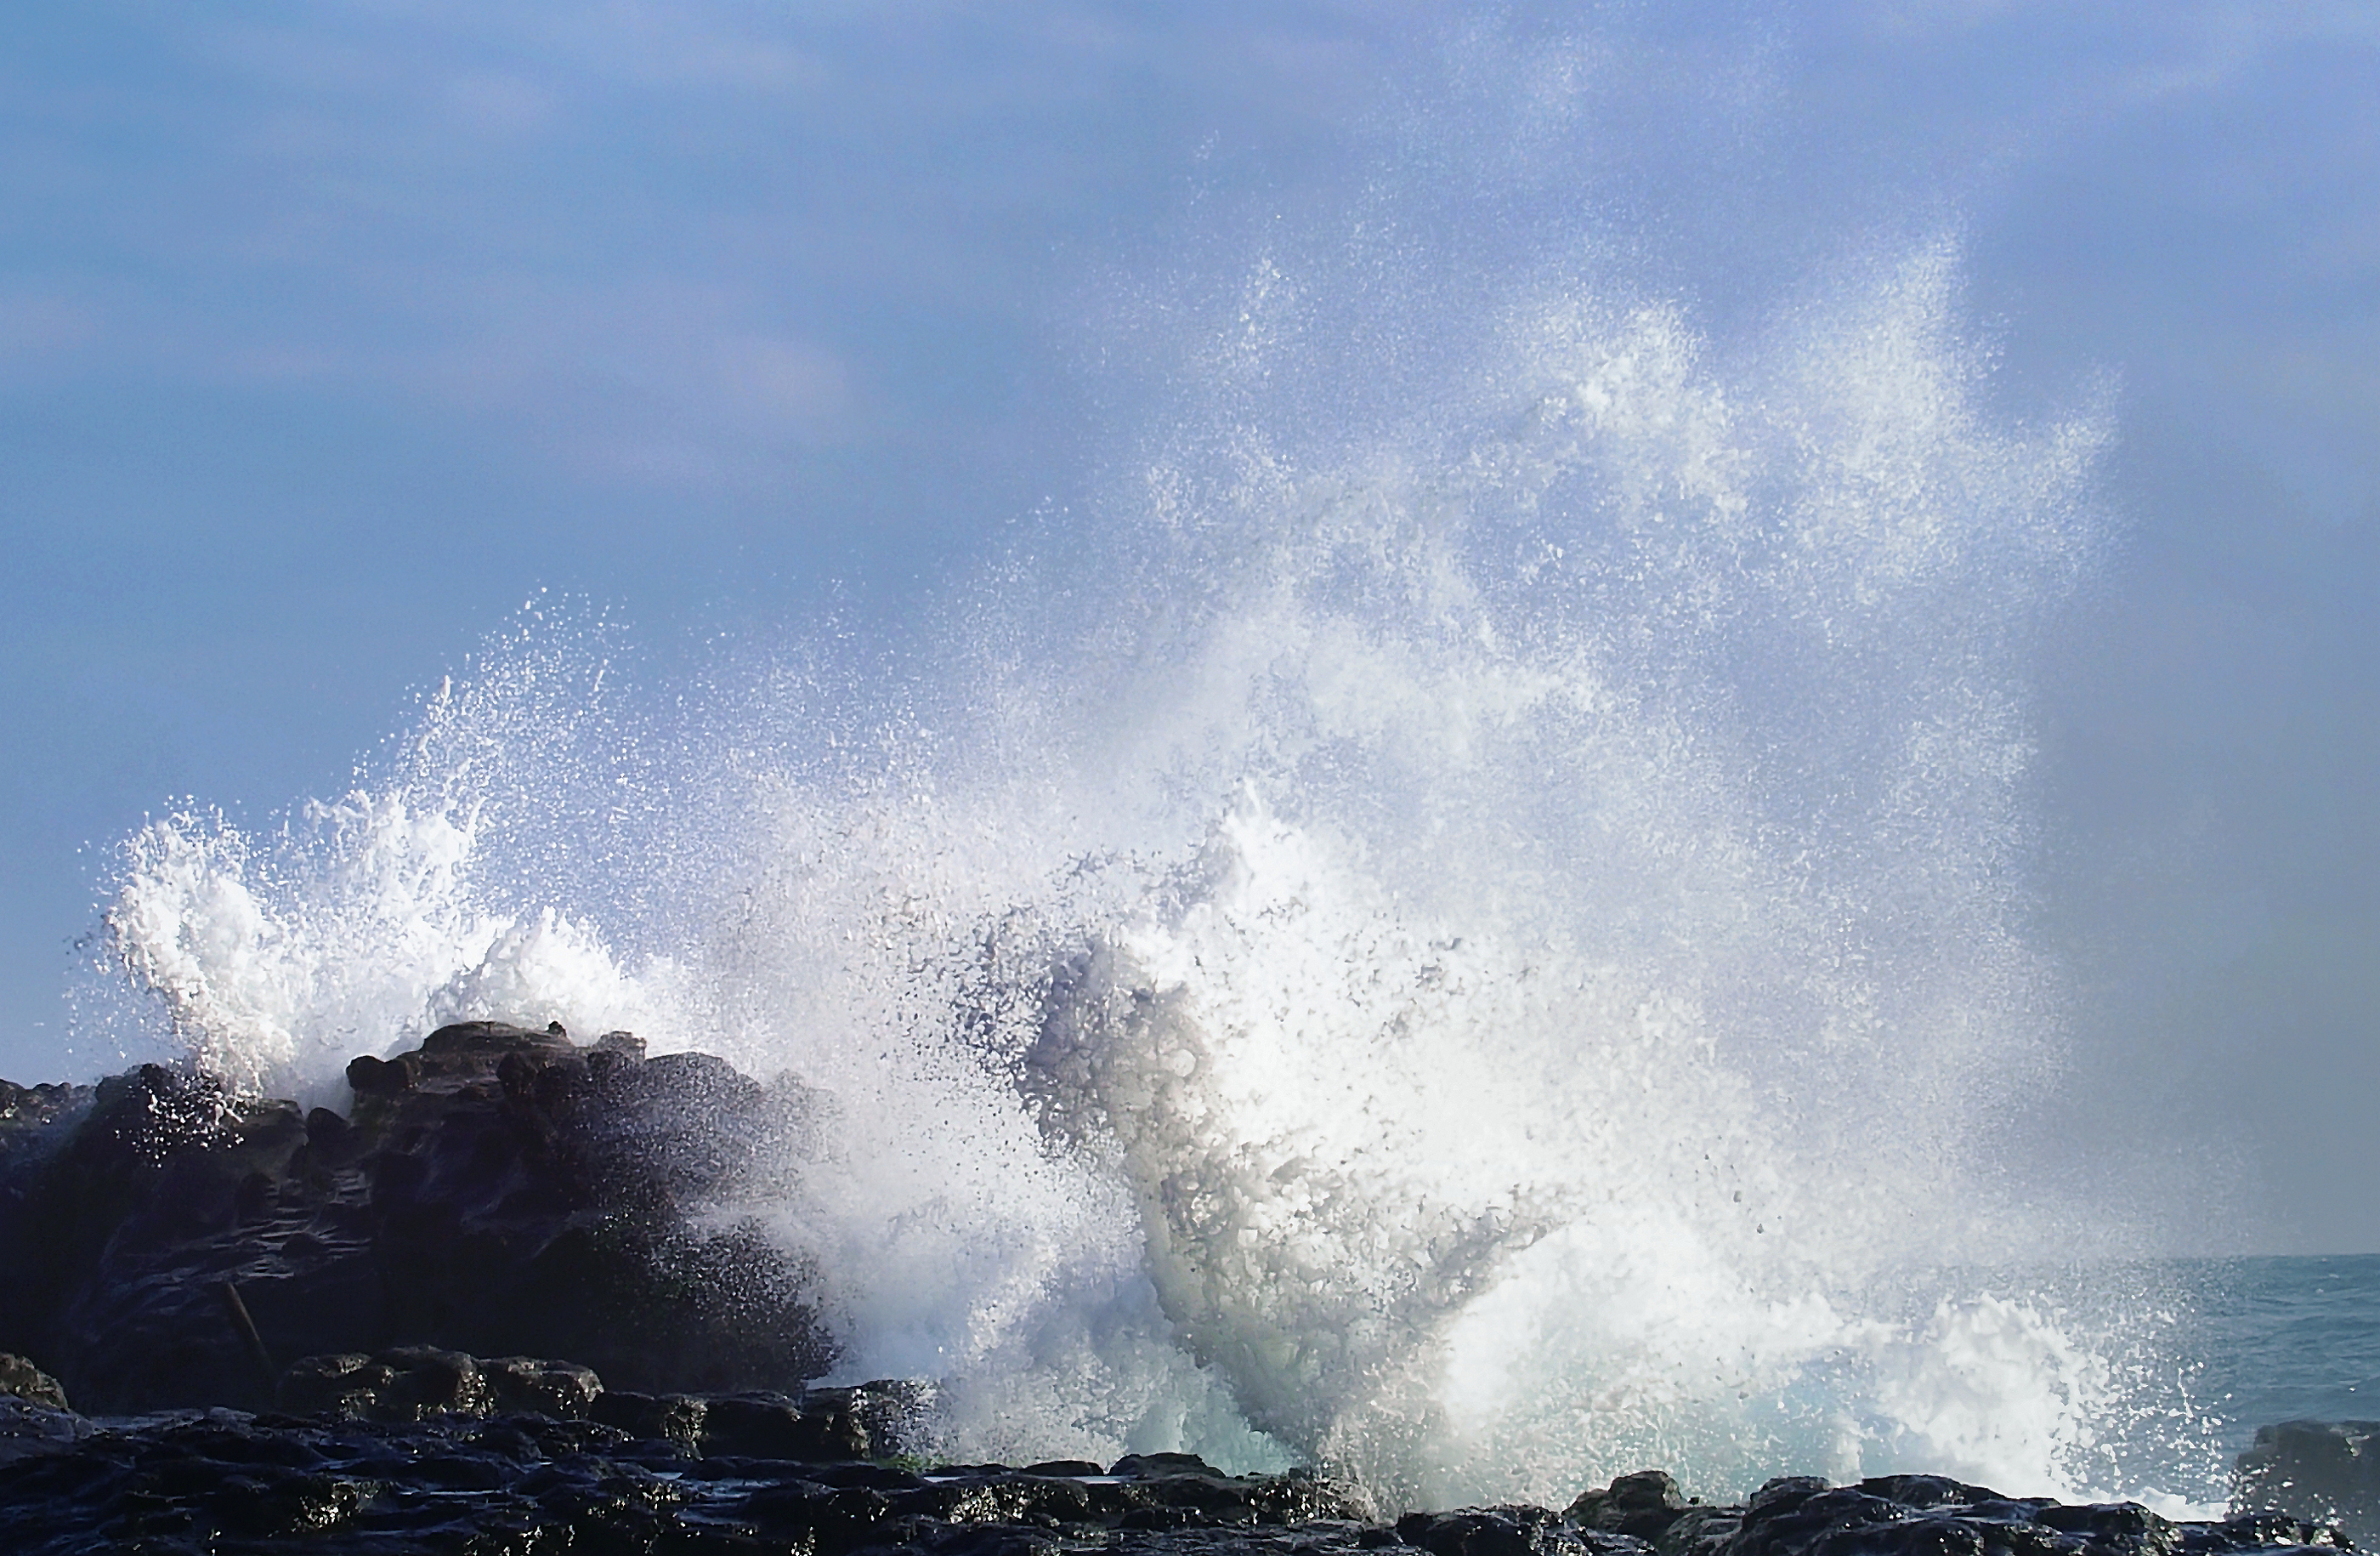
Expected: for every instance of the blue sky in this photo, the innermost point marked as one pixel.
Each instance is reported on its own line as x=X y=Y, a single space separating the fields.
x=329 y=334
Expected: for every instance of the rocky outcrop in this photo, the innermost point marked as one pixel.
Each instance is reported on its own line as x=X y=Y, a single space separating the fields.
x=421 y=1383
x=2328 y=1471
x=417 y=1382
x=421 y=1449
x=33 y=1413
x=225 y=1481
x=528 y=1482
x=496 y=1191
x=21 y=1380
x=1928 y=1515
x=1643 y=1515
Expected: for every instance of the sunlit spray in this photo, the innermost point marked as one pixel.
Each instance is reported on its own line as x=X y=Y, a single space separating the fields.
x=1486 y=954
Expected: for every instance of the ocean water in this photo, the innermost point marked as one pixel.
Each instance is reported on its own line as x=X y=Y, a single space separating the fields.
x=2285 y=1340
x=1465 y=913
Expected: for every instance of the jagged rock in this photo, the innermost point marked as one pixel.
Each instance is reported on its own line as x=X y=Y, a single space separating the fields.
x=524 y=1385
x=417 y=1382
x=1700 y=1531
x=771 y=1426
x=1512 y=1530
x=1153 y=1466
x=821 y=1426
x=497 y=1191
x=24 y=1381
x=24 y=1108
x=1929 y=1515
x=34 y=1417
x=673 y=1418
x=1641 y=1505
x=226 y=1481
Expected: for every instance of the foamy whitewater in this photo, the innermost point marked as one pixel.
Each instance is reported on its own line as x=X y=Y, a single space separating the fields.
x=1481 y=943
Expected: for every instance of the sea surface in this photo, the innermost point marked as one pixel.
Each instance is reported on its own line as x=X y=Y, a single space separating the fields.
x=2248 y=1342
x=2287 y=1339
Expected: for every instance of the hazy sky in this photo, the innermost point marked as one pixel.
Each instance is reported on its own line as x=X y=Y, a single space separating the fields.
x=330 y=332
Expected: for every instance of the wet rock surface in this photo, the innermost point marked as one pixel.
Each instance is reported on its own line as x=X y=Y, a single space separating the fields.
x=419 y=1382
x=1928 y=1515
x=21 y=1380
x=496 y=1191
x=2324 y=1470
x=226 y=1481
x=764 y=1473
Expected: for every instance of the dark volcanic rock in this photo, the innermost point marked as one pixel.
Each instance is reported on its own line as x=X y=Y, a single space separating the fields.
x=2328 y=1471
x=21 y=1380
x=496 y=1191
x=1643 y=1505
x=25 y=1111
x=417 y=1382
x=1929 y=1515
x=1512 y=1531
x=222 y=1481
x=498 y=1195
x=27 y=1430
x=33 y=1413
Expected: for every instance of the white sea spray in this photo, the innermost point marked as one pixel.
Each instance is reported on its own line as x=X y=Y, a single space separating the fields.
x=1487 y=949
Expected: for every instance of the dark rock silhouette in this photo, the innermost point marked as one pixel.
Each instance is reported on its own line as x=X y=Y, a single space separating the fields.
x=2328 y=1471
x=417 y=1382
x=1931 y=1516
x=224 y=1481
x=1644 y=1504
x=21 y=1380
x=33 y=1413
x=497 y=1191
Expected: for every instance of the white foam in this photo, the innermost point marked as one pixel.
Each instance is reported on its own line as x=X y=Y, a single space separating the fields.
x=355 y=933
x=1990 y=1390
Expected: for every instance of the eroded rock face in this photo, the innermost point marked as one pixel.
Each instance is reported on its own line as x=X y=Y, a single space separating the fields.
x=497 y=1191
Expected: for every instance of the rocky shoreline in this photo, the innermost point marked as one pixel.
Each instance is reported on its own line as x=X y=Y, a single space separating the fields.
x=500 y=1196
x=420 y=1453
